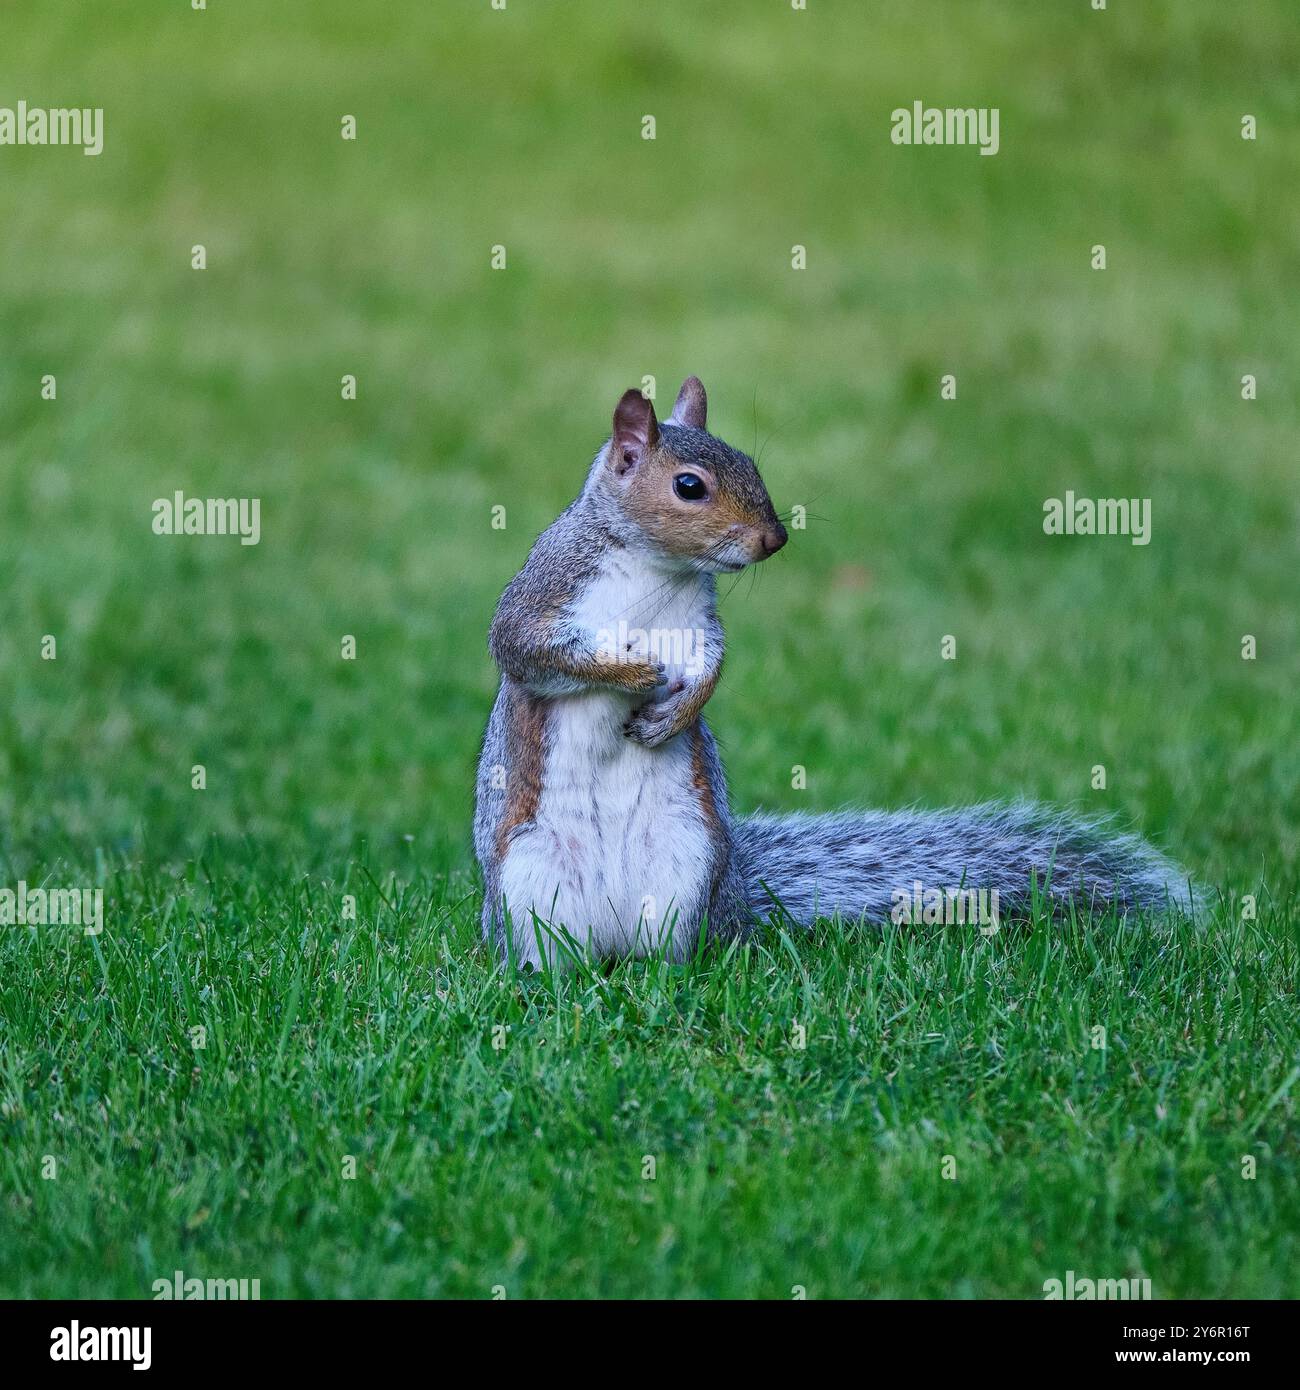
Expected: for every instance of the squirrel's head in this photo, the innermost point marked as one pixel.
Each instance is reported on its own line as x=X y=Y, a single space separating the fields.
x=694 y=498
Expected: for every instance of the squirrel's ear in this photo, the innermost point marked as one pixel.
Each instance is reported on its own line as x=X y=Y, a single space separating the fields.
x=635 y=431
x=692 y=406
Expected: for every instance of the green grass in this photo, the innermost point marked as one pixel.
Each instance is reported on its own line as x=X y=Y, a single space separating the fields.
x=522 y=1165
x=519 y=1161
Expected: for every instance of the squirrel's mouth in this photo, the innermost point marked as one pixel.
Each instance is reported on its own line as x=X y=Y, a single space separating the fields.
x=729 y=557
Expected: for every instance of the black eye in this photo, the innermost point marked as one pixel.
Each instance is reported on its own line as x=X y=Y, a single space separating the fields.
x=690 y=488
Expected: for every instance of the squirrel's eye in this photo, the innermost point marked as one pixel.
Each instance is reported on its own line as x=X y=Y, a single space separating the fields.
x=690 y=488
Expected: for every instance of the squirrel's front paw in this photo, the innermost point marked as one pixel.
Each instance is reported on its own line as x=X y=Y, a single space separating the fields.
x=656 y=721
x=645 y=677
x=642 y=672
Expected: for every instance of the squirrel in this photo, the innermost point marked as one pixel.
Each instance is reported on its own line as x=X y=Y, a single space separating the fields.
x=602 y=821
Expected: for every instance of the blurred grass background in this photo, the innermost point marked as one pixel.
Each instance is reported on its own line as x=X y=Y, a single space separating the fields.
x=629 y=257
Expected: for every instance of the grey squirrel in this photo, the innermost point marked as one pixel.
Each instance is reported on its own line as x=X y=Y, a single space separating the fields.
x=602 y=820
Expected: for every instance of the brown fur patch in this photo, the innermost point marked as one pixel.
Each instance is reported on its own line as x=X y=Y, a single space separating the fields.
x=703 y=787
x=525 y=762
x=697 y=695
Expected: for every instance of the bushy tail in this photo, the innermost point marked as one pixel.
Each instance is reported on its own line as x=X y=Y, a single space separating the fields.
x=858 y=863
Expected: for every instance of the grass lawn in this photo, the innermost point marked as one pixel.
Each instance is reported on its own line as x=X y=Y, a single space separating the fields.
x=499 y=1127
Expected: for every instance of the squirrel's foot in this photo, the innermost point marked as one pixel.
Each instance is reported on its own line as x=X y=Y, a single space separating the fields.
x=657 y=721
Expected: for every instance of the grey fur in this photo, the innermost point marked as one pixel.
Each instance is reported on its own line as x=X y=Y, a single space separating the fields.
x=853 y=863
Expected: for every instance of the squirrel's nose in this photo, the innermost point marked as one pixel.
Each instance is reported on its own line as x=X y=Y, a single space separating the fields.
x=773 y=539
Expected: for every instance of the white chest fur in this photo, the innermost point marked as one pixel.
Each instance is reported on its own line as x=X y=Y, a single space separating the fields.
x=641 y=610
x=618 y=853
